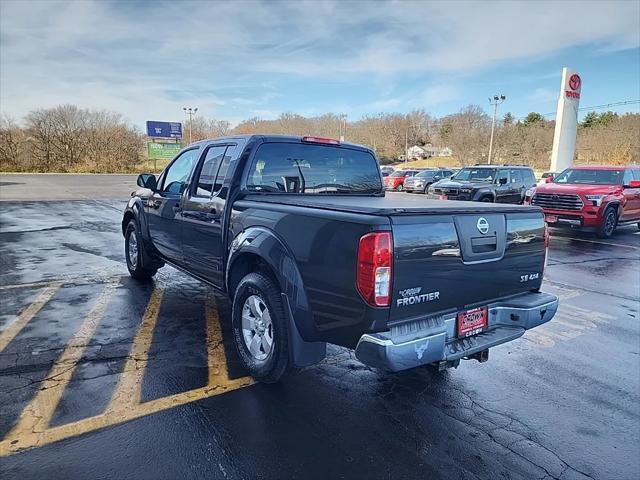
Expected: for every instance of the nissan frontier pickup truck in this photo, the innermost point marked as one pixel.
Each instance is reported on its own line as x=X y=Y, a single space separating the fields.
x=299 y=234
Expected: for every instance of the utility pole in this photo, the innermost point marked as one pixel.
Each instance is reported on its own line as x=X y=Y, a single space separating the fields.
x=495 y=101
x=191 y=112
x=406 y=145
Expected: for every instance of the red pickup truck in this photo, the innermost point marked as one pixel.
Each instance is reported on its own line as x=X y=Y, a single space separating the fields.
x=591 y=198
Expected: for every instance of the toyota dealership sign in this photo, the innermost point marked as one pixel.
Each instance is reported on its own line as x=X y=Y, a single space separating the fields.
x=573 y=85
x=564 y=137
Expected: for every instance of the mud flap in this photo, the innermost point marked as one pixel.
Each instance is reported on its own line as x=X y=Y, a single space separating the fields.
x=303 y=354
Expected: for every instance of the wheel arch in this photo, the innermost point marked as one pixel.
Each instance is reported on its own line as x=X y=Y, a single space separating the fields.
x=135 y=211
x=260 y=248
x=482 y=193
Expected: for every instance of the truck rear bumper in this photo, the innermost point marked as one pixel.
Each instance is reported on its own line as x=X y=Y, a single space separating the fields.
x=434 y=339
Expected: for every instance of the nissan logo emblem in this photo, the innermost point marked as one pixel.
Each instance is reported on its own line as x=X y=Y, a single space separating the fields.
x=483 y=225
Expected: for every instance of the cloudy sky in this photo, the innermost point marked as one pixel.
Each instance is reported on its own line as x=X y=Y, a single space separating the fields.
x=242 y=59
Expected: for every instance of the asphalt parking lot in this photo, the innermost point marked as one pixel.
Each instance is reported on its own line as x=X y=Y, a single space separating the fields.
x=104 y=377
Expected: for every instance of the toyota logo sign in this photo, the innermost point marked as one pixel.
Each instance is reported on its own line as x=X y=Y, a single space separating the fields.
x=483 y=225
x=575 y=81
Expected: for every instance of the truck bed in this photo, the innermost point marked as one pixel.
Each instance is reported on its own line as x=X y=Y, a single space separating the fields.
x=390 y=205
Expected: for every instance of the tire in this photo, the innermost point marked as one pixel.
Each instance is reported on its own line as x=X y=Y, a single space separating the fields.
x=256 y=295
x=139 y=264
x=486 y=199
x=609 y=223
x=400 y=188
x=426 y=189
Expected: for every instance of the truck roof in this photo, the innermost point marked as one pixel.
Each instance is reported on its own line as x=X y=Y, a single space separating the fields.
x=274 y=138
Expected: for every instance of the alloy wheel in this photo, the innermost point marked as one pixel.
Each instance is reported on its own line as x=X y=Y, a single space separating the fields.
x=257 y=328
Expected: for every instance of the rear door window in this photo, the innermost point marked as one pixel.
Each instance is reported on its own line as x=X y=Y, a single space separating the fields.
x=208 y=171
x=516 y=176
x=313 y=169
x=502 y=174
x=224 y=168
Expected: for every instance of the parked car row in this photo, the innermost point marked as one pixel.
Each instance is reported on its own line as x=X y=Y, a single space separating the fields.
x=415 y=180
x=590 y=198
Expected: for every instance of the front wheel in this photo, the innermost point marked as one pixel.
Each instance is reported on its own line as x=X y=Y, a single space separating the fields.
x=260 y=328
x=426 y=188
x=140 y=266
x=487 y=199
x=609 y=223
x=400 y=188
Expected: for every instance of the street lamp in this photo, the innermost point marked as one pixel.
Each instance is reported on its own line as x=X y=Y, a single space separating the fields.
x=191 y=112
x=495 y=101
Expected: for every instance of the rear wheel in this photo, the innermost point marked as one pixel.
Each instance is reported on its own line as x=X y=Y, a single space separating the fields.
x=139 y=264
x=609 y=223
x=260 y=328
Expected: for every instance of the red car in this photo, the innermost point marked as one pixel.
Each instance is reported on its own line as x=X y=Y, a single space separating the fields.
x=395 y=181
x=591 y=198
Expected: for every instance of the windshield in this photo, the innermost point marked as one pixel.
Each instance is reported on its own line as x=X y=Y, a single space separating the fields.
x=304 y=168
x=398 y=173
x=475 y=174
x=426 y=173
x=591 y=177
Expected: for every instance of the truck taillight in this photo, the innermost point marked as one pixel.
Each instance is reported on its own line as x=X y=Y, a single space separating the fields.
x=547 y=241
x=375 y=268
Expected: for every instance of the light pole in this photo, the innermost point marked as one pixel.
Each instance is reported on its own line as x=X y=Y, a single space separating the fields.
x=495 y=101
x=191 y=112
x=343 y=126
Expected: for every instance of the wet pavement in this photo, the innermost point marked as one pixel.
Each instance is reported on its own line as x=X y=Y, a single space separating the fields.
x=104 y=377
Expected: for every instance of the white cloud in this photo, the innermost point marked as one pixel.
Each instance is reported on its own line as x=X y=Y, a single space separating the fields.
x=148 y=59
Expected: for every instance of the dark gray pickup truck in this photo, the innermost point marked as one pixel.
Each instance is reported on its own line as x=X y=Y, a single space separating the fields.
x=300 y=235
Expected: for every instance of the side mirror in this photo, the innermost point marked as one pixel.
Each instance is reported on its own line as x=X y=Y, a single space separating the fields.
x=633 y=184
x=436 y=177
x=147 y=180
x=503 y=181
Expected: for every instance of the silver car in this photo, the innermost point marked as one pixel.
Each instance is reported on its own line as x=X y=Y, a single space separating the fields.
x=420 y=183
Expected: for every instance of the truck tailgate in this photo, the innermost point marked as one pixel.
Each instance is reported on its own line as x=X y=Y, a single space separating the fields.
x=456 y=262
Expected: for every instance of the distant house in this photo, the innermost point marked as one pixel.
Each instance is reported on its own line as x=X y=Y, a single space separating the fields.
x=428 y=151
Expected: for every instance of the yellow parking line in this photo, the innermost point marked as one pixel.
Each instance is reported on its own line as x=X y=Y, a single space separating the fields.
x=218 y=373
x=125 y=409
x=128 y=391
x=31 y=311
x=37 y=415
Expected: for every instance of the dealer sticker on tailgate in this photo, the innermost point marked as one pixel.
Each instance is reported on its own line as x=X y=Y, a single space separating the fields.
x=472 y=321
